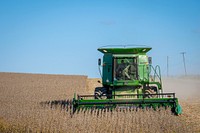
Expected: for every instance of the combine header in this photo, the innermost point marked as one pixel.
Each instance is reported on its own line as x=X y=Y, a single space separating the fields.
x=128 y=80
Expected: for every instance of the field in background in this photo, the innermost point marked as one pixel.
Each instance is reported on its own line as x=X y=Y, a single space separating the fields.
x=21 y=110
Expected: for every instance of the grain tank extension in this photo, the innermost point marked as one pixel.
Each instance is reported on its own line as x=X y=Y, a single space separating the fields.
x=128 y=80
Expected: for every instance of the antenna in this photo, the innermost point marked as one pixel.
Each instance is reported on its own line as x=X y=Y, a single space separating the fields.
x=183 y=53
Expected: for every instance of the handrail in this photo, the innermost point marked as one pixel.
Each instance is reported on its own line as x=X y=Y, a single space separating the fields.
x=156 y=74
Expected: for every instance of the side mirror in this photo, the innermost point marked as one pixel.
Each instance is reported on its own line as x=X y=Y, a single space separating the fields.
x=150 y=60
x=99 y=62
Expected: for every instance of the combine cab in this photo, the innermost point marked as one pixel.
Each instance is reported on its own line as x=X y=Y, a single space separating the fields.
x=128 y=80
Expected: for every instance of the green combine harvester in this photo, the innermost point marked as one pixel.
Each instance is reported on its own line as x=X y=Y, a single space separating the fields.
x=128 y=80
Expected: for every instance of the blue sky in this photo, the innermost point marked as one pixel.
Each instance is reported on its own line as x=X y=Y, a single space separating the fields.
x=62 y=36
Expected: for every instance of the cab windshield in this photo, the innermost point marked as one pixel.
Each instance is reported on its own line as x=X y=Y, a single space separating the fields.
x=125 y=68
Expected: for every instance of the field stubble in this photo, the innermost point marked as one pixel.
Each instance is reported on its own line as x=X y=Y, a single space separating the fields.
x=21 y=111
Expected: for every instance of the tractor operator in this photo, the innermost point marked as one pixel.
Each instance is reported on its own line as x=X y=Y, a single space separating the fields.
x=120 y=69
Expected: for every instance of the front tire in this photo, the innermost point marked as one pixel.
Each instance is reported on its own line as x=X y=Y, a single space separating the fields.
x=100 y=93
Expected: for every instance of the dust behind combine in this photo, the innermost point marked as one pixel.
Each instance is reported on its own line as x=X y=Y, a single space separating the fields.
x=21 y=96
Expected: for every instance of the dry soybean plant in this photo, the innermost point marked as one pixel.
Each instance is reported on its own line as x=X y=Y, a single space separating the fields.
x=128 y=120
x=41 y=103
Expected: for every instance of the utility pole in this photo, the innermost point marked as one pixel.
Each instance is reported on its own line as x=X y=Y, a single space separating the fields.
x=183 y=53
x=167 y=66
